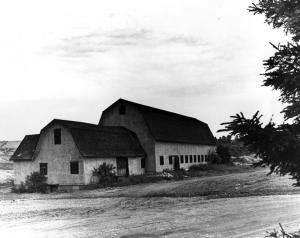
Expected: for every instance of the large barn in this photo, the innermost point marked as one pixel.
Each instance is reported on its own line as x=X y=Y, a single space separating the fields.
x=134 y=138
x=170 y=140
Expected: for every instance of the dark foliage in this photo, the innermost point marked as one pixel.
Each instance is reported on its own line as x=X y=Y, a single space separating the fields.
x=177 y=174
x=236 y=147
x=36 y=182
x=224 y=154
x=198 y=167
x=278 y=146
x=283 y=234
x=279 y=13
x=105 y=173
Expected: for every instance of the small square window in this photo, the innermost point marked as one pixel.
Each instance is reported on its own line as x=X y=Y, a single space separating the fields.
x=161 y=160
x=57 y=136
x=143 y=163
x=181 y=159
x=44 y=168
x=170 y=160
x=191 y=159
x=122 y=110
x=186 y=159
x=74 y=167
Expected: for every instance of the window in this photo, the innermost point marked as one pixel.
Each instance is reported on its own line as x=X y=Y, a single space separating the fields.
x=57 y=136
x=170 y=159
x=74 y=167
x=143 y=163
x=161 y=160
x=186 y=158
x=43 y=168
x=205 y=157
x=122 y=110
x=191 y=159
x=195 y=158
x=181 y=159
x=198 y=158
x=202 y=158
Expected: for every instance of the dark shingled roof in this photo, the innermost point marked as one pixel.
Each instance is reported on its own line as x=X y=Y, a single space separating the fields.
x=26 y=148
x=102 y=141
x=107 y=142
x=92 y=141
x=167 y=126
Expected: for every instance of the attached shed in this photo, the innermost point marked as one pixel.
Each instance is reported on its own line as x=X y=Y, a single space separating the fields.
x=68 y=151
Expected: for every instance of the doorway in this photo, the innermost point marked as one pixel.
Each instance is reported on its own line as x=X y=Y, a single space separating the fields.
x=122 y=166
x=176 y=163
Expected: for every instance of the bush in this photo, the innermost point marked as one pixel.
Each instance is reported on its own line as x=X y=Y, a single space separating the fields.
x=283 y=234
x=105 y=174
x=35 y=182
x=214 y=158
x=175 y=174
x=223 y=153
x=20 y=189
x=198 y=167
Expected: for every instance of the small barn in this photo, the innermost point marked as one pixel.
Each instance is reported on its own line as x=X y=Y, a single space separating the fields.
x=170 y=140
x=68 y=151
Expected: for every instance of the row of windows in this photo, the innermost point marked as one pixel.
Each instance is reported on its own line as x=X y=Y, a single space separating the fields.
x=185 y=159
x=74 y=168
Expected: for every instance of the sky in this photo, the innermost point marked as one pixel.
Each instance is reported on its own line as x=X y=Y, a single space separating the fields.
x=72 y=59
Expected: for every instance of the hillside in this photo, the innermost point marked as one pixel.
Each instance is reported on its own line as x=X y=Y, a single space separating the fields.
x=7 y=148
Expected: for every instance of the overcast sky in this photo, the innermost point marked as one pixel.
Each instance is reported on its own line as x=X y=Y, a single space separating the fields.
x=72 y=59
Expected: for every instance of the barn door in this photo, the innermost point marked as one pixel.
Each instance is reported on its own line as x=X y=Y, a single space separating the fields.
x=122 y=166
x=176 y=163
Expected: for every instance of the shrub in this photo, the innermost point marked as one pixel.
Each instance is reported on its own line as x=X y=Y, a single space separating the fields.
x=283 y=234
x=36 y=182
x=19 y=189
x=198 y=167
x=105 y=174
x=214 y=158
x=223 y=153
x=175 y=174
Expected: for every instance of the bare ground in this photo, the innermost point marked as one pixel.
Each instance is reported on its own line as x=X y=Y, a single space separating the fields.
x=165 y=209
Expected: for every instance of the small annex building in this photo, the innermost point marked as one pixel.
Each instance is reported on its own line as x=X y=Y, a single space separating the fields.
x=135 y=138
x=68 y=151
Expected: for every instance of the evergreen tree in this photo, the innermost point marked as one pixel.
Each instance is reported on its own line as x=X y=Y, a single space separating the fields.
x=277 y=145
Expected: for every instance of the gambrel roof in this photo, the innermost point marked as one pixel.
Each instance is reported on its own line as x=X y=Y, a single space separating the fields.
x=92 y=141
x=26 y=148
x=168 y=126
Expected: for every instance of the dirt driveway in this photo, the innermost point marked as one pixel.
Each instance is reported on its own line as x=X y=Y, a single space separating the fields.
x=148 y=217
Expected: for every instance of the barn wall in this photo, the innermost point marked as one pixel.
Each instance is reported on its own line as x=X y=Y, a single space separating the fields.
x=134 y=167
x=22 y=169
x=90 y=164
x=133 y=120
x=166 y=149
x=58 y=157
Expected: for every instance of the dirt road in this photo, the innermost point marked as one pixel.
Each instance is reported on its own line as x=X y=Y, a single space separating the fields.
x=148 y=217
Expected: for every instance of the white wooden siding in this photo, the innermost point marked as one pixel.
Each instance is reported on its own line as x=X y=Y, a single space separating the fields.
x=166 y=149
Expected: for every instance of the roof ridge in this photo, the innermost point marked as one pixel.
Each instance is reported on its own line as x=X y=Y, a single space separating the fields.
x=102 y=129
x=158 y=110
x=63 y=120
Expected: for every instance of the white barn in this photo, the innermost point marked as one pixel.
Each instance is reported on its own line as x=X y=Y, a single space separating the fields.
x=135 y=138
